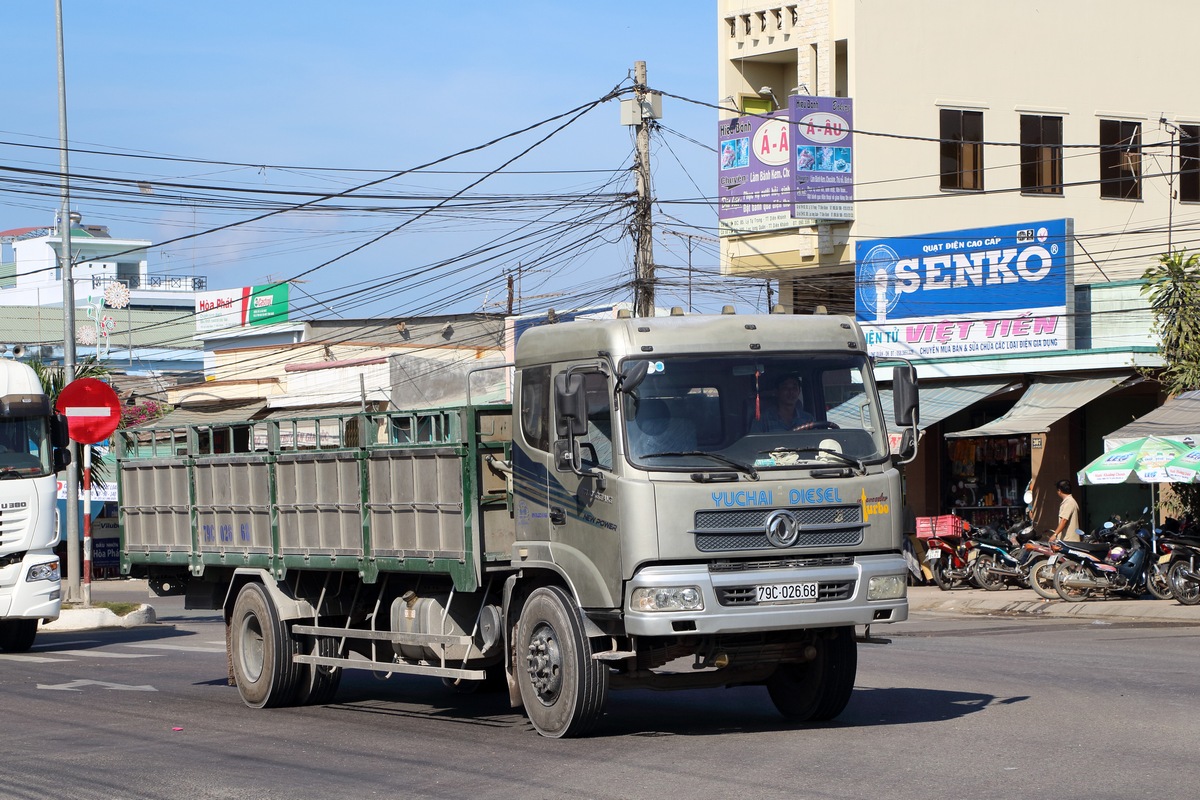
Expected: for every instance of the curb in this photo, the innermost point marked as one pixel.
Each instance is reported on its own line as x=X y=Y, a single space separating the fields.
x=86 y=619
x=969 y=601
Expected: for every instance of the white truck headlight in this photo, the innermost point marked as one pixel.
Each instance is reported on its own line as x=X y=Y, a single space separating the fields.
x=43 y=572
x=886 y=587
x=667 y=598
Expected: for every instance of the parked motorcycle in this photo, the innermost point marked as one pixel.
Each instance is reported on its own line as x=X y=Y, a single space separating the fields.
x=1183 y=569
x=1002 y=559
x=950 y=560
x=1115 y=562
x=1040 y=573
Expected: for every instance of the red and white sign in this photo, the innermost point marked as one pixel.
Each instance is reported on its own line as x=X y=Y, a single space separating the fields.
x=92 y=408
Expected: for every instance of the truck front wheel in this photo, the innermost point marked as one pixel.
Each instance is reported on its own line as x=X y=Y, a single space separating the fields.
x=261 y=648
x=563 y=688
x=17 y=635
x=818 y=689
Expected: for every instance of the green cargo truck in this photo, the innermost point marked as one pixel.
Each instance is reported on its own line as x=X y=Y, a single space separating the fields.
x=646 y=513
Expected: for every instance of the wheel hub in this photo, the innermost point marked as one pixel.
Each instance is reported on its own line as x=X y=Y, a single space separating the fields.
x=544 y=663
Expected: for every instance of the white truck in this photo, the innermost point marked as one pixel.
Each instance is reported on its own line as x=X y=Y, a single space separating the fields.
x=646 y=513
x=32 y=449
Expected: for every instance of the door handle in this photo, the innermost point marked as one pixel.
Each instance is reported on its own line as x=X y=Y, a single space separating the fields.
x=557 y=515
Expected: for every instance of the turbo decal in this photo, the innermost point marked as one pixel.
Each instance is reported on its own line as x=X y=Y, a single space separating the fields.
x=873 y=506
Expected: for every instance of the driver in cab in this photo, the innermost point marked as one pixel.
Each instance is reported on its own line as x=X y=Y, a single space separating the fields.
x=786 y=413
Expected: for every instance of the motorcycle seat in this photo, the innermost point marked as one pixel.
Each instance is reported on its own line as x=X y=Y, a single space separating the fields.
x=1095 y=548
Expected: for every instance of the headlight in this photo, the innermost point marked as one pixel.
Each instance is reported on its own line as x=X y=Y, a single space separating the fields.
x=886 y=587
x=44 y=572
x=667 y=598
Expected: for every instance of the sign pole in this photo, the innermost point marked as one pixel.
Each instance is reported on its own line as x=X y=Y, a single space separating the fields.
x=87 y=526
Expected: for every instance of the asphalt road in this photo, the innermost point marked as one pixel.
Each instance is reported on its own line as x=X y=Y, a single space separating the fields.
x=952 y=706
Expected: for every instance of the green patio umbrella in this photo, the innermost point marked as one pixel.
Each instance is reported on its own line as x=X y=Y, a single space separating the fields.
x=1140 y=461
x=1185 y=468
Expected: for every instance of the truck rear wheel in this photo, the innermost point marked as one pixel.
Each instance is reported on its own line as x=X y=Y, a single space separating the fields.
x=17 y=635
x=261 y=648
x=316 y=684
x=818 y=690
x=563 y=688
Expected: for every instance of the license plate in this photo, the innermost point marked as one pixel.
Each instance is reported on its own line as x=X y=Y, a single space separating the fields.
x=1054 y=558
x=1164 y=558
x=933 y=555
x=786 y=592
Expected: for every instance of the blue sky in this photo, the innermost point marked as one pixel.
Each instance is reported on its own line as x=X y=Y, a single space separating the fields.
x=322 y=93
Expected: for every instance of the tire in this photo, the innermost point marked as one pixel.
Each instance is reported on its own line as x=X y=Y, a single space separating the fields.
x=316 y=684
x=1158 y=581
x=1041 y=579
x=818 y=690
x=563 y=689
x=17 y=635
x=1184 y=589
x=985 y=577
x=261 y=648
x=938 y=568
x=1062 y=572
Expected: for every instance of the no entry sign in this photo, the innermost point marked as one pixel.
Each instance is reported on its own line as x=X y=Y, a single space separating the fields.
x=92 y=408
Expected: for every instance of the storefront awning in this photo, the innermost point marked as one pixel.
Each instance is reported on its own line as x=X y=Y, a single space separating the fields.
x=1178 y=418
x=939 y=402
x=209 y=414
x=1046 y=401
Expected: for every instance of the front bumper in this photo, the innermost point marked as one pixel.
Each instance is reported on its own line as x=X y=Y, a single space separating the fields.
x=730 y=607
x=23 y=599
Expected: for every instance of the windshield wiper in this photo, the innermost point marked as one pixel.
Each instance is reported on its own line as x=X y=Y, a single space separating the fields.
x=738 y=465
x=838 y=455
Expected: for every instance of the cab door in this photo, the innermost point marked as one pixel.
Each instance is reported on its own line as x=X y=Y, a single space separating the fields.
x=583 y=505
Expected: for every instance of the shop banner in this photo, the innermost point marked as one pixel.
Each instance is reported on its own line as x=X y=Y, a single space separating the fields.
x=755 y=182
x=824 y=157
x=978 y=292
x=245 y=305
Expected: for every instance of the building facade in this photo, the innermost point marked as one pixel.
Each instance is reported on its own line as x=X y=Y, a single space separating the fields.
x=975 y=132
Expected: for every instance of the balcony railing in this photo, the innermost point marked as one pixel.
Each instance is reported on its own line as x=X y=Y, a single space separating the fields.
x=154 y=283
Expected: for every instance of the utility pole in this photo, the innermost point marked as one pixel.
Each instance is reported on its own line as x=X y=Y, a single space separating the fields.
x=643 y=303
x=68 y=301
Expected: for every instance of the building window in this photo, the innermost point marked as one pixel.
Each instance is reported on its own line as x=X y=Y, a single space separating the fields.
x=1120 y=159
x=1189 y=163
x=962 y=149
x=1041 y=154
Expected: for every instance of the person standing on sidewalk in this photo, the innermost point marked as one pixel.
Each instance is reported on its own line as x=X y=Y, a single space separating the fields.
x=1068 y=514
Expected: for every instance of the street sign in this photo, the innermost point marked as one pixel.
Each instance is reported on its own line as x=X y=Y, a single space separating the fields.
x=92 y=408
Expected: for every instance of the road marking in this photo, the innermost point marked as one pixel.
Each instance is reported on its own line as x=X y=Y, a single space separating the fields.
x=181 y=648
x=75 y=686
x=103 y=654
x=30 y=659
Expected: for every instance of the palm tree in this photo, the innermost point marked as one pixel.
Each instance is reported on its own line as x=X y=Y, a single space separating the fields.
x=1173 y=288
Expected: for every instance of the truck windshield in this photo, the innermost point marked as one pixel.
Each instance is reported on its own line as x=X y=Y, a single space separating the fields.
x=24 y=447
x=763 y=412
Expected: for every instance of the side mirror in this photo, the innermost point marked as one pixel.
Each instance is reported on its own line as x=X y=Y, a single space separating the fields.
x=59 y=435
x=570 y=405
x=906 y=404
x=62 y=457
x=908 y=447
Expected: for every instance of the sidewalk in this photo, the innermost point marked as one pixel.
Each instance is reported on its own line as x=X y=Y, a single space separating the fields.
x=1027 y=602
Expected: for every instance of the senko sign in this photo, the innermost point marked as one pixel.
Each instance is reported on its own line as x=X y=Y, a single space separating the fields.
x=982 y=291
x=92 y=409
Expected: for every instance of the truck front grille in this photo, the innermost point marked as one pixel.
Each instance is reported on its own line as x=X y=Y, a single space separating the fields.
x=744 y=595
x=745 y=529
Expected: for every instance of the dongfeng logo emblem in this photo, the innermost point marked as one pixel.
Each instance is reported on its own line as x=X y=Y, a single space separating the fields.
x=782 y=529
